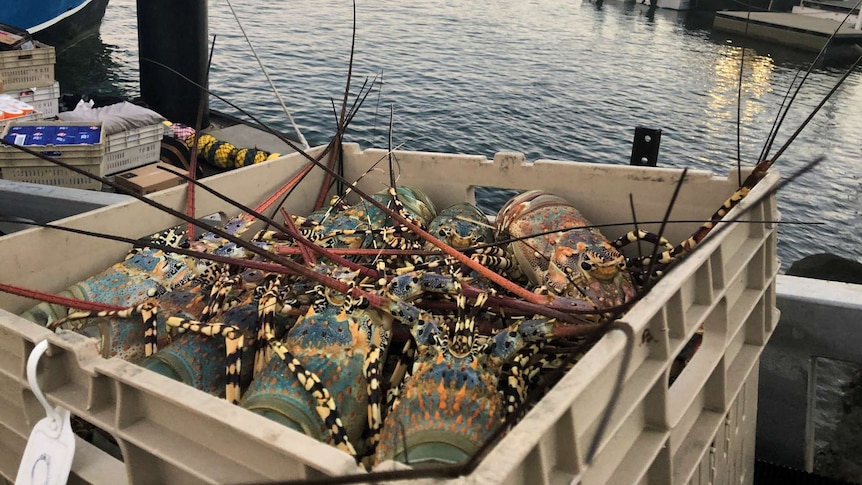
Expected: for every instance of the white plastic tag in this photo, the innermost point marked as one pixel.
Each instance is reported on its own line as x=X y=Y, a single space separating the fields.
x=51 y=447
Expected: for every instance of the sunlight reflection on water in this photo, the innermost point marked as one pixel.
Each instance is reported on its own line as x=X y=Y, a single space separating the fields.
x=554 y=79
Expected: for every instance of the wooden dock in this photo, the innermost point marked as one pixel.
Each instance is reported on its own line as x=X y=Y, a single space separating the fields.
x=790 y=29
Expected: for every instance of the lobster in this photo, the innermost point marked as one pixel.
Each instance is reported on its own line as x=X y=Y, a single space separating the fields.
x=363 y=225
x=455 y=397
x=573 y=261
x=334 y=354
x=462 y=226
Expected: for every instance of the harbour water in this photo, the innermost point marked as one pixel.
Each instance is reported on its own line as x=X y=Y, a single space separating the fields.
x=550 y=78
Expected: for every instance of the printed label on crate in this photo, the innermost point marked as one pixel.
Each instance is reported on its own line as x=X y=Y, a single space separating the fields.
x=54 y=135
x=42 y=135
x=66 y=135
x=19 y=134
x=89 y=135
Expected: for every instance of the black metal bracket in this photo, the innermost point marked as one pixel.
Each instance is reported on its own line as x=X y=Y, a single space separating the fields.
x=645 y=147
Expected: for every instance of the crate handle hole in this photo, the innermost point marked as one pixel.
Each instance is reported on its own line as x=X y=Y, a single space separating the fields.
x=684 y=357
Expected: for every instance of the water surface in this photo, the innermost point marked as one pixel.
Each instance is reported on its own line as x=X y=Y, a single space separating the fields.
x=553 y=79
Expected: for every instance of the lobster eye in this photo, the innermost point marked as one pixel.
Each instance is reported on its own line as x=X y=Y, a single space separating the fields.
x=621 y=265
x=586 y=265
x=479 y=239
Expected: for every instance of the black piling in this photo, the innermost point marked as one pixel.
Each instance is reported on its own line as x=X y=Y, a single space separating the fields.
x=174 y=34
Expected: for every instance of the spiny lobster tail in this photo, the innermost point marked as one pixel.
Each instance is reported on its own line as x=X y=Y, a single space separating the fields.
x=342 y=122
x=57 y=299
x=325 y=408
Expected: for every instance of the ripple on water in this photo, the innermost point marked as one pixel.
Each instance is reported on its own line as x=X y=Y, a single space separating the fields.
x=552 y=78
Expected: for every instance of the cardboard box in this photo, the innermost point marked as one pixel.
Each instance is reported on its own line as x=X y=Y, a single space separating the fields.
x=150 y=178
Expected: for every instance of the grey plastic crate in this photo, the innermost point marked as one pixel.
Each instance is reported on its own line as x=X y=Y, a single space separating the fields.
x=24 y=69
x=23 y=167
x=170 y=433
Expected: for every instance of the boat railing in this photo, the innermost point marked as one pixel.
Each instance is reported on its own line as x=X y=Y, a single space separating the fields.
x=821 y=321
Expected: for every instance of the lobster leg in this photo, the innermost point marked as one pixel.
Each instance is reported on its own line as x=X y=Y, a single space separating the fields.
x=326 y=408
x=632 y=237
x=147 y=310
x=218 y=295
x=402 y=370
x=515 y=386
x=689 y=244
x=375 y=396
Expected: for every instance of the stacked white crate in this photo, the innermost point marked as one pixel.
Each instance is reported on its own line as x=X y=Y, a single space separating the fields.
x=28 y=75
x=132 y=148
x=23 y=167
x=44 y=99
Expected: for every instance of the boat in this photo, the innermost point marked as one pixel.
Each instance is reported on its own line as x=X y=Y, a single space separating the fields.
x=54 y=22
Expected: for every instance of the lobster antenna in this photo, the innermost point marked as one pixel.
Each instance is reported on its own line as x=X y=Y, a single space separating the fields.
x=328 y=183
x=247 y=263
x=357 y=103
x=193 y=154
x=816 y=109
x=773 y=129
x=389 y=149
x=671 y=204
x=747 y=5
x=268 y=79
x=377 y=106
x=637 y=233
x=739 y=101
x=752 y=202
x=339 y=134
x=774 y=134
x=362 y=176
